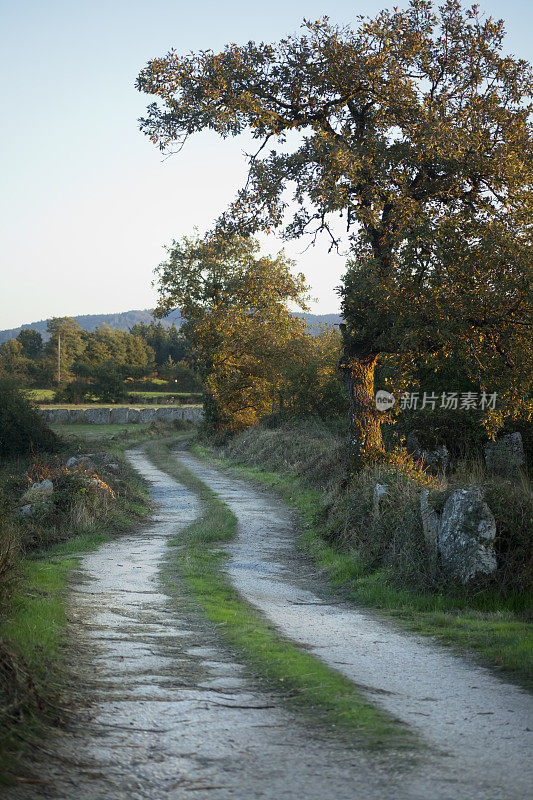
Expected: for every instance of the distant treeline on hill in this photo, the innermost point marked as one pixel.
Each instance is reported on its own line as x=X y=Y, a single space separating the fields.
x=125 y=320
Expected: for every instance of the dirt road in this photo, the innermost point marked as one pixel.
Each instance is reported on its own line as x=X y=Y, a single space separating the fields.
x=164 y=712
x=483 y=726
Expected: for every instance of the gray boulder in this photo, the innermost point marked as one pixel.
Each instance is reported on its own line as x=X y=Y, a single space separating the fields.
x=379 y=491
x=118 y=416
x=466 y=534
x=437 y=460
x=97 y=416
x=84 y=462
x=147 y=415
x=60 y=416
x=25 y=511
x=505 y=456
x=38 y=492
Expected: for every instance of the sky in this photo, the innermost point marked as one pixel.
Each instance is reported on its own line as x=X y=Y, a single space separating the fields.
x=87 y=202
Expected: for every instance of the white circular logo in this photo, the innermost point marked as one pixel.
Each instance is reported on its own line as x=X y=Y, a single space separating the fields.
x=384 y=400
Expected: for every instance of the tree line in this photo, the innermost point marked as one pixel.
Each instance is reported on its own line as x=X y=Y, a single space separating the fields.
x=80 y=363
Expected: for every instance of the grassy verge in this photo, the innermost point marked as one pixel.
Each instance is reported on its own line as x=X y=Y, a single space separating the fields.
x=304 y=680
x=33 y=615
x=482 y=626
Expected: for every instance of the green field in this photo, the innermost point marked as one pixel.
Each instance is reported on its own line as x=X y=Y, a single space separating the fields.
x=41 y=395
x=103 y=432
x=88 y=406
x=47 y=397
x=165 y=394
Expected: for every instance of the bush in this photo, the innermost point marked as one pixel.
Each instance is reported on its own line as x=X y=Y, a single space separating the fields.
x=75 y=392
x=108 y=384
x=22 y=430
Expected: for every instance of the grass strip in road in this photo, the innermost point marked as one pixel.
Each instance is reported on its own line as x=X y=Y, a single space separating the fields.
x=480 y=626
x=304 y=680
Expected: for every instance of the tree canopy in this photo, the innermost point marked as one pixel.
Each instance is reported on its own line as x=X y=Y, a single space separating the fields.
x=414 y=129
x=235 y=305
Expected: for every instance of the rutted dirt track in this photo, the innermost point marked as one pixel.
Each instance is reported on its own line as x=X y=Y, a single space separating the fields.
x=165 y=712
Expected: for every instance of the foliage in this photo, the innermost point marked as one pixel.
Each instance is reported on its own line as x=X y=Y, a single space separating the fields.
x=22 y=430
x=310 y=382
x=14 y=363
x=234 y=303
x=77 y=391
x=108 y=383
x=168 y=343
x=415 y=129
x=31 y=341
x=63 y=347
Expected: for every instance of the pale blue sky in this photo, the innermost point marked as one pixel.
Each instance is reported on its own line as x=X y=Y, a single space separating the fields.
x=87 y=202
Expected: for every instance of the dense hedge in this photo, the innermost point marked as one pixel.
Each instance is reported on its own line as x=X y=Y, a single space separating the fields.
x=22 y=430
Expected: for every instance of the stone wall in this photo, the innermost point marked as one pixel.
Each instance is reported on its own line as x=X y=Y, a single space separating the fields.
x=106 y=416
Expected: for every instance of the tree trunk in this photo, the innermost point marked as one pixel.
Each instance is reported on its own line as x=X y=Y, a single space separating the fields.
x=365 y=443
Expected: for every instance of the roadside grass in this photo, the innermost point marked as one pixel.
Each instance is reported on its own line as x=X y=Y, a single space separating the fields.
x=305 y=682
x=485 y=626
x=33 y=618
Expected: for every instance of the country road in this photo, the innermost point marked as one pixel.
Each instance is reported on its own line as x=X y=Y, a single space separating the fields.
x=163 y=711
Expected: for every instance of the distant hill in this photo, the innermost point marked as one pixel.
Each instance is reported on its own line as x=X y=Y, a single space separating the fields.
x=89 y=322
x=127 y=319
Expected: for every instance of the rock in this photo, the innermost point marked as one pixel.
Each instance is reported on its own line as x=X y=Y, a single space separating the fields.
x=506 y=455
x=112 y=467
x=166 y=414
x=430 y=527
x=466 y=534
x=379 y=492
x=147 y=415
x=437 y=460
x=97 y=416
x=38 y=492
x=76 y=415
x=59 y=415
x=118 y=416
x=25 y=511
x=84 y=463
x=133 y=416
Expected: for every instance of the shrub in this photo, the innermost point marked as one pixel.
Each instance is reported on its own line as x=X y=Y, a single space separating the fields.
x=22 y=430
x=75 y=392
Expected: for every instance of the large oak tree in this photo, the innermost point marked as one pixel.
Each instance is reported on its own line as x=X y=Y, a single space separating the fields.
x=399 y=125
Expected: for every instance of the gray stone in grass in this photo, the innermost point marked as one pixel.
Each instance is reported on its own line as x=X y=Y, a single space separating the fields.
x=506 y=455
x=466 y=535
x=379 y=491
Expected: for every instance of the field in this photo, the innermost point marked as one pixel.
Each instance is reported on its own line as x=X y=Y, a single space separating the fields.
x=88 y=406
x=47 y=397
x=102 y=432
